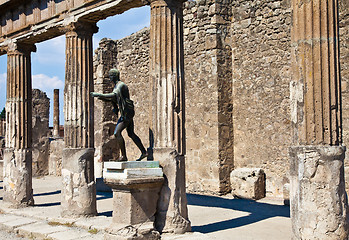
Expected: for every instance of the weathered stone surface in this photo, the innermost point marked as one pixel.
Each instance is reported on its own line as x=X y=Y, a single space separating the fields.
x=172 y=211
x=33 y=21
x=134 y=200
x=55 y=156
x=132 y=232
x=18 y=154
x=259 y=34
x=18 y=177
x=209 y=96
x=248 y=183
x=40 y=149
x=261 y=47
x=79 y=189
x=319 y=203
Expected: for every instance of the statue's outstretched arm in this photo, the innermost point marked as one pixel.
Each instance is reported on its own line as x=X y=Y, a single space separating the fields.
x=105 y=97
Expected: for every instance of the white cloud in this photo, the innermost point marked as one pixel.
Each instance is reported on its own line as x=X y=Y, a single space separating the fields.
x=46 y=83
x=3 y=78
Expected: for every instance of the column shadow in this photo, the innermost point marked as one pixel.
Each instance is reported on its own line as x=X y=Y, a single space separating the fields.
x=257 y=211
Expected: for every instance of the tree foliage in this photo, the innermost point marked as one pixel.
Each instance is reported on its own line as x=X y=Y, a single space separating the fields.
x=3 y=114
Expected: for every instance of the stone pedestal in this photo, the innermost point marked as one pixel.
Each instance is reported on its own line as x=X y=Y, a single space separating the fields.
x=317 y=194
x=172 y=215
x=79 y=188
x=18 y=177
x=136 y=187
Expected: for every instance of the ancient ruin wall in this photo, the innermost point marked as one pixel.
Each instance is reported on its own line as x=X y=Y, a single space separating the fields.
x=344 y=61
x=41 y=109
x=209 y=126
x=261 y=78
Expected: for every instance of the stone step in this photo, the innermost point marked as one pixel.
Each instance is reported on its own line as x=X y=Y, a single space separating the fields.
x=37 y=229
x=131 y=164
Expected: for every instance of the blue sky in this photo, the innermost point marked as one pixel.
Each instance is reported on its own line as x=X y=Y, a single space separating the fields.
x=48 y=63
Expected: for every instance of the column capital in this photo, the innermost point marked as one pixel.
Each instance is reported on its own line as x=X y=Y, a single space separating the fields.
x=80 y=28
x=19 y=48
x=164 y=3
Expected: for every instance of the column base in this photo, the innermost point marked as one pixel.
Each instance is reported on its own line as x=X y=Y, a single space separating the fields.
x=317 y=193
x=18 y=177
x=78 y=185
x=172 y=215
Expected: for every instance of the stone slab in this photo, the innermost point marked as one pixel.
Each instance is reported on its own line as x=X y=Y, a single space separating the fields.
x=69 y=235
x=132 y=173
x=6 y=218
x=131 y=164
x=39 y=230
x=21 y=221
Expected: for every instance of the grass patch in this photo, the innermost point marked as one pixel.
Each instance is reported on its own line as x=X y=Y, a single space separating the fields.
x=68 y=224
x=93 y=231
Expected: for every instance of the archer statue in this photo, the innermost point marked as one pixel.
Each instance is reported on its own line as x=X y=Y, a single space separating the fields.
x=120 y=98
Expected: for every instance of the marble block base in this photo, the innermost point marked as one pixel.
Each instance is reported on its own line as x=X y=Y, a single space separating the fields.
x=136 y=188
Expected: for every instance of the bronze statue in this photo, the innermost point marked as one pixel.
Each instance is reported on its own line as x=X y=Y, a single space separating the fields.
x=120 y=98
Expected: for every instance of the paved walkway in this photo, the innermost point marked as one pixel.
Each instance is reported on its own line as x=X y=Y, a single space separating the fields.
x=211 y=217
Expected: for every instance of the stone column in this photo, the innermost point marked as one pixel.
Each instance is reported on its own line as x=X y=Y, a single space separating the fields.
x=167 y=112
x=79 y=190
x=56 y=112
x=18 y=153
x=317 y=194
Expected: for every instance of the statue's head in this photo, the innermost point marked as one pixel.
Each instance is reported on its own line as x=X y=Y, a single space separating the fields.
x=114 y=75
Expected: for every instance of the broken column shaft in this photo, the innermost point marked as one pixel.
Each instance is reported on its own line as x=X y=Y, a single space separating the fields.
x=56 y=112
x=79 y=189
x=317 y=193
x=18 y=154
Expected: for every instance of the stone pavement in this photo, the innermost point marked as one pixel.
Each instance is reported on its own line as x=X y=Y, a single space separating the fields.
x=212 y=217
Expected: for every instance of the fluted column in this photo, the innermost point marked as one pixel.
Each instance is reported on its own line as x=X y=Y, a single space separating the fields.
x=167 y=111
x=79 y=190
x=18 y=153
x=318 y=199
x=167 y=74
x=56 y=112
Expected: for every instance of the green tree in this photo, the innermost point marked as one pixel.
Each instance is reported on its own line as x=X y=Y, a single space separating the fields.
x=3 y=114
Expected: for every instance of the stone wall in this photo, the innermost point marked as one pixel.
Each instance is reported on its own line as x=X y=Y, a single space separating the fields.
x=209 y=125
x=41 y=109
x=261 y=77
x=344 y=61
x=237 y=74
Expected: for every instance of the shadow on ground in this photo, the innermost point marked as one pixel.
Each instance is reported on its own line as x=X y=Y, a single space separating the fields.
x=258 y=211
